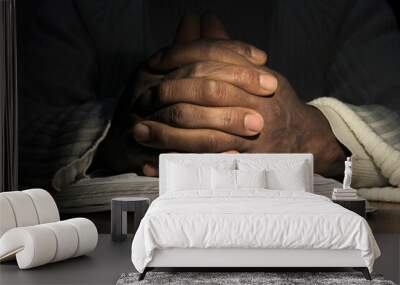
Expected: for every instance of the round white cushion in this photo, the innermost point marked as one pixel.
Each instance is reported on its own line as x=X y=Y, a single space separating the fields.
x=23 y=208
x=67 y=240
x=26 y=208
x=45 y=205
x=33 y=246
x=7 y=218
x=87 y=233
x=40 y=244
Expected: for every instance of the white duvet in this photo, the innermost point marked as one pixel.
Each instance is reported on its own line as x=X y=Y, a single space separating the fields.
x=250 y=219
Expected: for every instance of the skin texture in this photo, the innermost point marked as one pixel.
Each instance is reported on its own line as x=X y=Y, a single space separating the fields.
x=207 y=93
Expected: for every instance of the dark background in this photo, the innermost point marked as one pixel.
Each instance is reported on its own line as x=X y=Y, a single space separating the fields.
x=25 y=10
x=396 y=7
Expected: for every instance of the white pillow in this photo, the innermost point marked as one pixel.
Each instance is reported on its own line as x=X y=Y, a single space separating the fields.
x=290 y=175
x=182 y=178
x=223 y=179
x=227 y=179
x=251 y=178
x=293 y=178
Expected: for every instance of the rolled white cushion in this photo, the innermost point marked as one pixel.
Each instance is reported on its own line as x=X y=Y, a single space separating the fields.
x=87 y=234
x=45 y=205
x=23 y=208
x=40 y=244
x=33 y=246
x=7 y=218
x=67 y=240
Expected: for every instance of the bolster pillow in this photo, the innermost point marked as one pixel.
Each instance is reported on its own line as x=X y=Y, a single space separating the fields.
x=40 y=244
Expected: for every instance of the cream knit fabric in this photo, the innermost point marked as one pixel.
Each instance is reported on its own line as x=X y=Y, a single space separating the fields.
x=372 y=134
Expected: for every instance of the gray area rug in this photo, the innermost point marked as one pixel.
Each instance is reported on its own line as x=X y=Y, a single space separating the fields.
x=233 y=278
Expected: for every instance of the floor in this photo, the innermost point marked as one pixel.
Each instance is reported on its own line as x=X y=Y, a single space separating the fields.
x=110 y=260
x=386 y=219
x=385 y=224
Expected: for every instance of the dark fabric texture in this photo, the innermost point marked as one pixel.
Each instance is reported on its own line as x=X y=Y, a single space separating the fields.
x=78 y=57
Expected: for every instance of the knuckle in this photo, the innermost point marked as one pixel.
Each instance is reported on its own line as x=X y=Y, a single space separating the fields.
x=245 y=75
x=212 y=143
x=215 y=92
x=176 y=114
x=276 y=111
x=210 y=87
x=165 y=91
x=246 y=50
x=197 y=69
x=228 y=118
x=210 y=51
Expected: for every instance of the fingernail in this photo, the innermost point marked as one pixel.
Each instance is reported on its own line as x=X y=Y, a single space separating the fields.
x=268 y=82
x=141 y=133
x=253 y=123
x=257 y=53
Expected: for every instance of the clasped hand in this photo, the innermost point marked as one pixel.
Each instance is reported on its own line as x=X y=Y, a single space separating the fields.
x=208 y=93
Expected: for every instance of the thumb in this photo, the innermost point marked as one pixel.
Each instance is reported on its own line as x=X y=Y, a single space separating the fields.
x=212 y=27
x=188 y=29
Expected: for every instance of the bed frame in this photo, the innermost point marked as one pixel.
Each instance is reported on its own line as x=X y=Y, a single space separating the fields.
x=246 y=258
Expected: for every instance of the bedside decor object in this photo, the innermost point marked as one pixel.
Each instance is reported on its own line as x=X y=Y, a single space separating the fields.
x=348 y=172
x=346 y=192
x=119 y=208
x=31 y=231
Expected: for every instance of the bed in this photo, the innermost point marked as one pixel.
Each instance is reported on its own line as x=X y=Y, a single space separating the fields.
x=247 y=211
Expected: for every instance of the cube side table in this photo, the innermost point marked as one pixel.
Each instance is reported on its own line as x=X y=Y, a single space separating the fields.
x=358 y=206
x=119 y=208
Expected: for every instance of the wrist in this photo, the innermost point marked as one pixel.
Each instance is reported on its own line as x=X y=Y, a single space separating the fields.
x=328 y=153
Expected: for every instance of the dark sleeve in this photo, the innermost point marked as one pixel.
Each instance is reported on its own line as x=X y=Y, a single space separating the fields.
x=62 y=115
x=365 y=67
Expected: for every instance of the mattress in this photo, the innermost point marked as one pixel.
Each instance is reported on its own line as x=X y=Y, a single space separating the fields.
x=253 y=219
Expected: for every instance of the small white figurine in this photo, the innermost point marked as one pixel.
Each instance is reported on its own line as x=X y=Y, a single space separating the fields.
x=346 y=192
x=347 y=174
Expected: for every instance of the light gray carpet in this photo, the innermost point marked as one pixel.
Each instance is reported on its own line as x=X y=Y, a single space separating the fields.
x=243 y=278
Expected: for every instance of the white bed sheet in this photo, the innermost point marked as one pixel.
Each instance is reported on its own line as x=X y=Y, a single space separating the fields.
x=252 y=218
